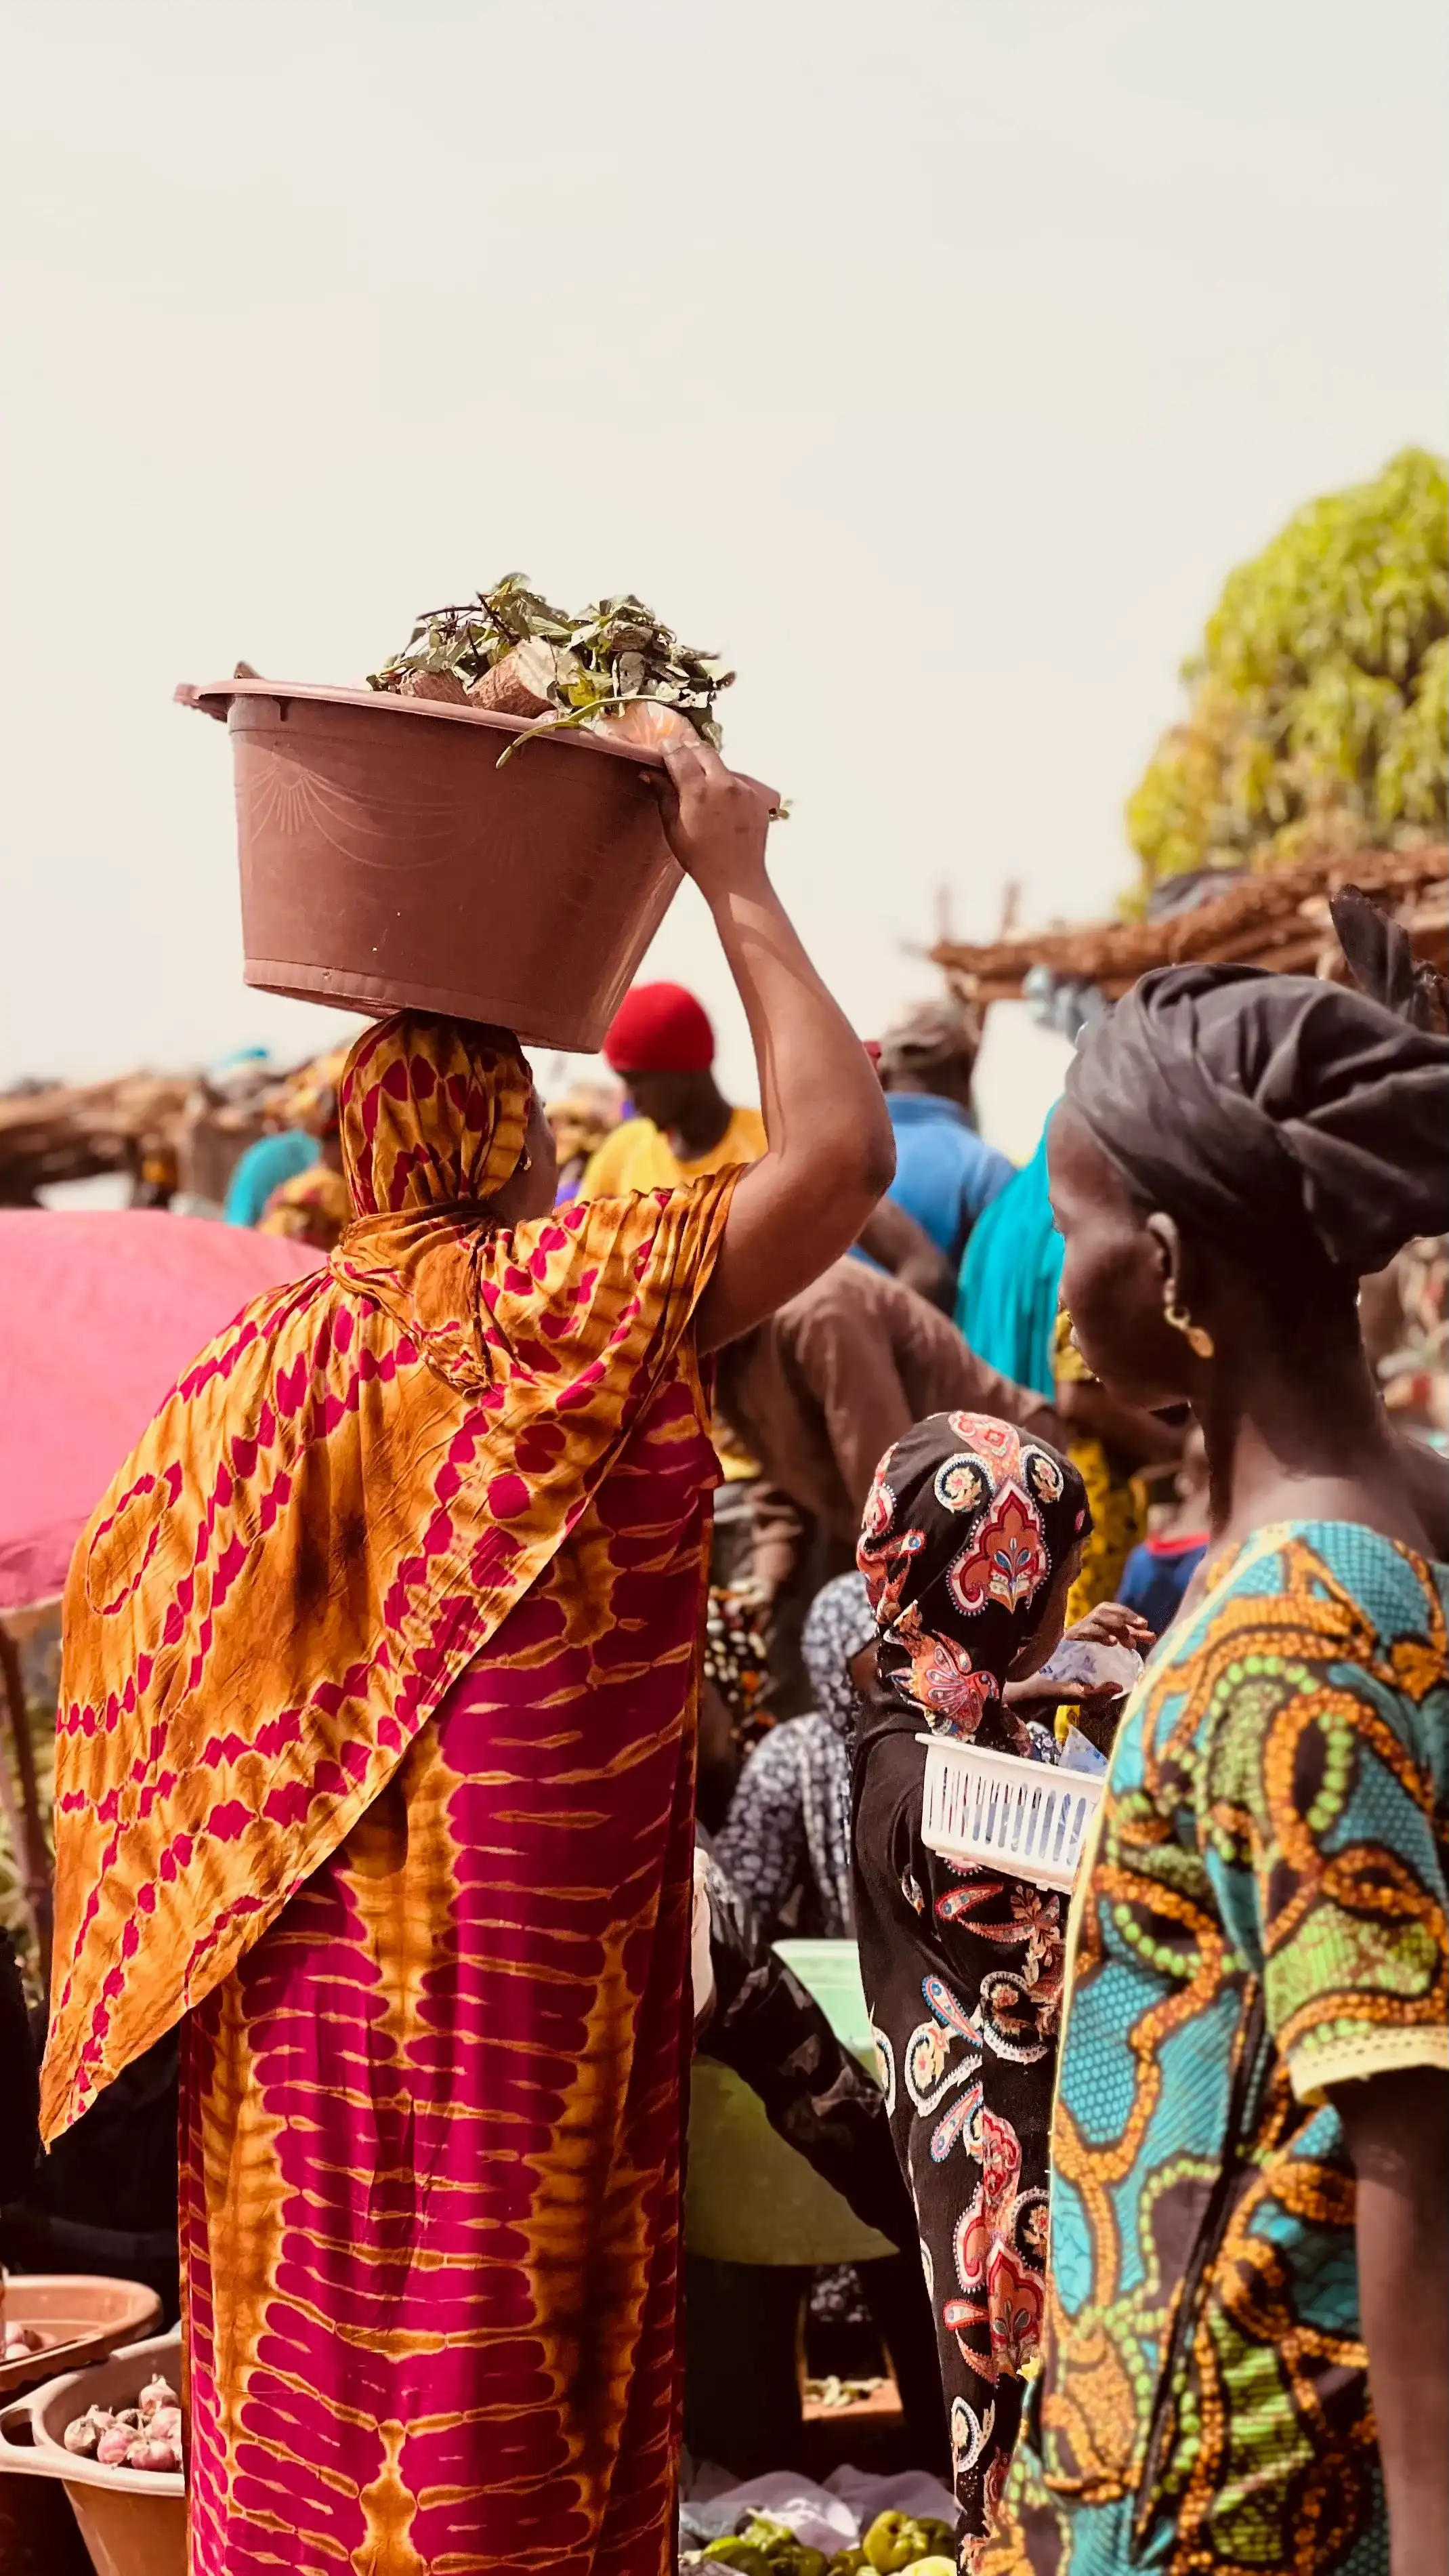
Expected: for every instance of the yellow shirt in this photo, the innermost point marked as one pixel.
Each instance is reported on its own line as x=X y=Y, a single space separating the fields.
x=1118 y=1501
x=638 y=1156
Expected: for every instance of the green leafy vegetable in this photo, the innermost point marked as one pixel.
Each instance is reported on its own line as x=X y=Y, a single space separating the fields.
x=614 y=655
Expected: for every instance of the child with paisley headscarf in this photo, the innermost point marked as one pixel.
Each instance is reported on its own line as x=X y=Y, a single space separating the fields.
x=973 y=1537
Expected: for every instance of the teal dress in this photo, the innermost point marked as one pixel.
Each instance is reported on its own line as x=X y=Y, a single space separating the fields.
x=1007 y=1299
x=1263 y=1919
x=263 y=1168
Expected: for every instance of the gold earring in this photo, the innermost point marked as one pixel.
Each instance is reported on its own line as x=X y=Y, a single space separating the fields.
x=1199 y=1338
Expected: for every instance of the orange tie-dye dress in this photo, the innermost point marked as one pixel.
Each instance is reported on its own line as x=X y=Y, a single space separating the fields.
x=375 y=1763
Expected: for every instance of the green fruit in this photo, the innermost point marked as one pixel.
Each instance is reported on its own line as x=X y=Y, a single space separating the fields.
x=891 y=2543
x=741 y=2555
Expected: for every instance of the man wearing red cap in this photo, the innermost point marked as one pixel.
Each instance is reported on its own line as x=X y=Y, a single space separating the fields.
x=661 y=1046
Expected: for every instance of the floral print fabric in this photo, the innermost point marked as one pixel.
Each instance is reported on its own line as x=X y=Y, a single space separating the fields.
x=963 y=1971
x=839 y=1625
x=966 y=1525
x=786 y=1840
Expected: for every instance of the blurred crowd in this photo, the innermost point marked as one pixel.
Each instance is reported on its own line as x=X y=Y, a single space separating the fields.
x=949 y=1303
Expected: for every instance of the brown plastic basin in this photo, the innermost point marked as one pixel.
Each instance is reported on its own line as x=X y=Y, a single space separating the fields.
x=132 y=2521
x=387 y=860
x=81 y=2315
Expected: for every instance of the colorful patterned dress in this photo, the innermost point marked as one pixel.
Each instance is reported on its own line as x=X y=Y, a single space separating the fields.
x=375 y=1771
x=431 y=2178
x=962 y=1967
x=1264 y=1919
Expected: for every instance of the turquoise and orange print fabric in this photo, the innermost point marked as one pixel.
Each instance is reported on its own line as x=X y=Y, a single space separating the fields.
x=1265 y=1919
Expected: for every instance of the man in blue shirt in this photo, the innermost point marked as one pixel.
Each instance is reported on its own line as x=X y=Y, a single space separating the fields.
x=945 y=1173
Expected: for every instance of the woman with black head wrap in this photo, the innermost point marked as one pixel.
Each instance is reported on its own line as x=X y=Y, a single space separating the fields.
x=972 y=1538
x=1246 y=2361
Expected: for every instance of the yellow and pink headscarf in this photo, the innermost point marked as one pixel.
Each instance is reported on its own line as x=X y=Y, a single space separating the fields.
x=331 y=1514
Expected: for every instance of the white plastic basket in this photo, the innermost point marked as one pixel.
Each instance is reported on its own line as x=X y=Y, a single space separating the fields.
x=994 y=1810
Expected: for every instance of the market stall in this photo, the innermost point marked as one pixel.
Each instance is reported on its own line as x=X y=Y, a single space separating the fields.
x=1278 y=918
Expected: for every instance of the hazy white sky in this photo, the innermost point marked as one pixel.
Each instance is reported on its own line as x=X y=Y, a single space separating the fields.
x=933 y=362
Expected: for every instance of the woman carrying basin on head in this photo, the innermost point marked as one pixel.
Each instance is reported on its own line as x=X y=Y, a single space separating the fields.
x=376 y=1764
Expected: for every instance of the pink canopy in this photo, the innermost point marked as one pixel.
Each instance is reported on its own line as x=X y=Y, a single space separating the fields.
x=99 y=1314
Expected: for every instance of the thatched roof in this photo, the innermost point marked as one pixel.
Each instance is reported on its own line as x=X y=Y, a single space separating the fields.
x=72 y=1132
x=1278 y=919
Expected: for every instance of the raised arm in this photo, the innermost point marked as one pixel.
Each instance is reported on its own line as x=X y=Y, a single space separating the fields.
x=831 y=1150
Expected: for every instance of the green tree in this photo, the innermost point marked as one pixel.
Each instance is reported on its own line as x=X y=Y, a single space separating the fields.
x=1319 y=713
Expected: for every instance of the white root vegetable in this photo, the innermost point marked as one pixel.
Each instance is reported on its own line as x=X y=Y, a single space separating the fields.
x=144 y=2436
x=82 y=2436
x=519 y=684
x=434 y=684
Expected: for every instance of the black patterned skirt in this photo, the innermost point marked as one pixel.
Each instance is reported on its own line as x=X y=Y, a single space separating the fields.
x=963 y=1976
